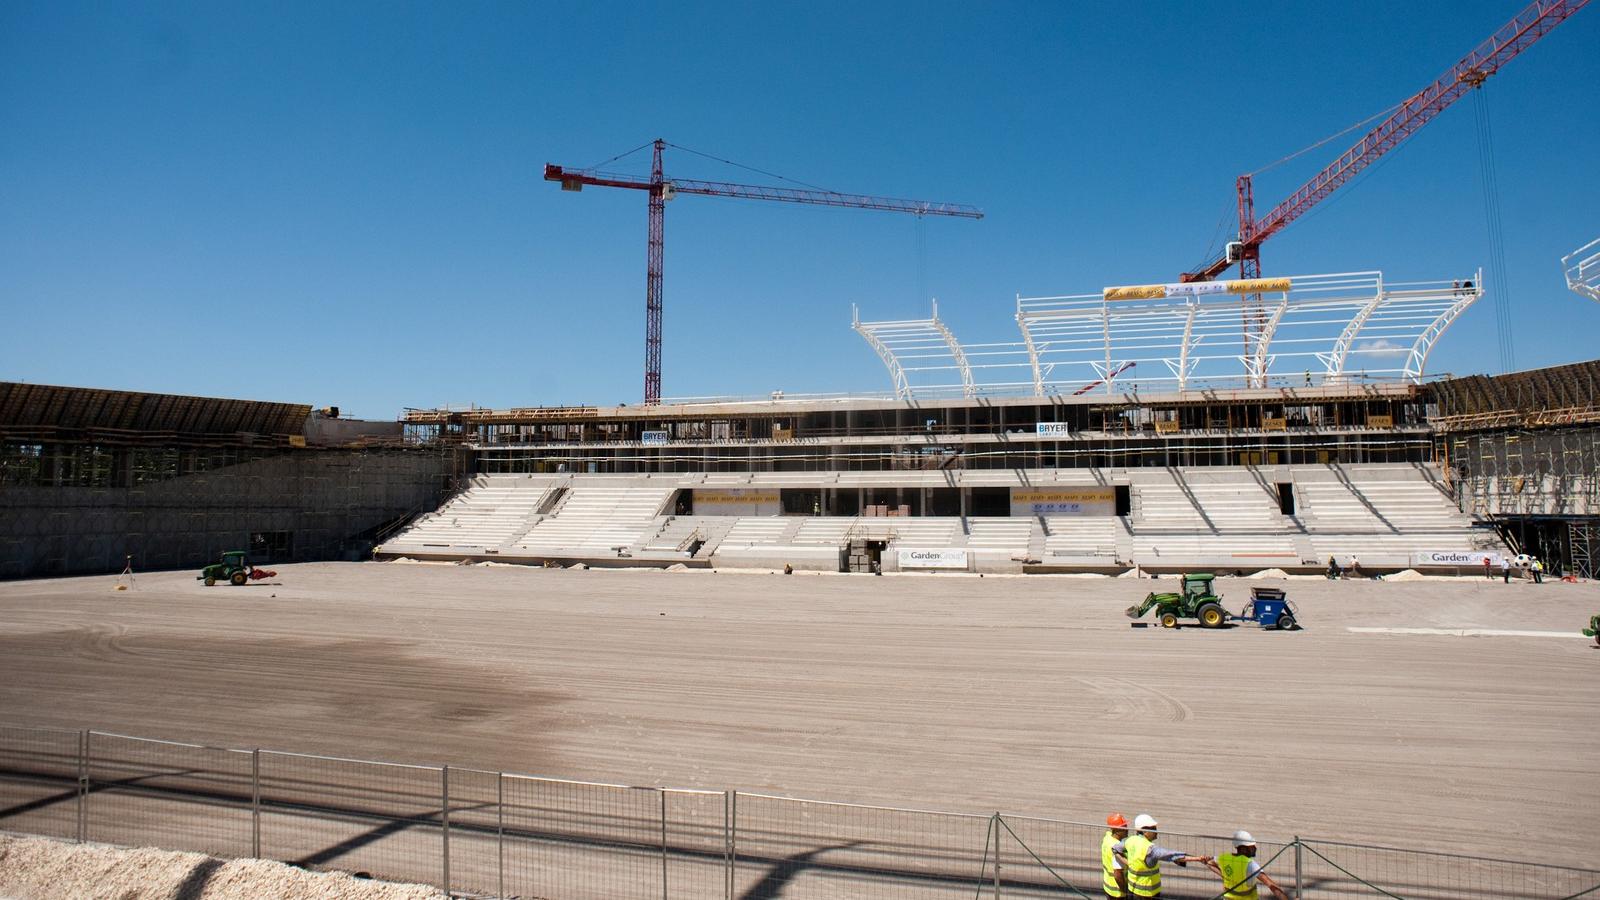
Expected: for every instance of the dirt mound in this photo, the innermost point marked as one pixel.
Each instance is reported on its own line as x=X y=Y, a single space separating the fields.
x=43 y=869
x=1406 y=575
x=1270 y=573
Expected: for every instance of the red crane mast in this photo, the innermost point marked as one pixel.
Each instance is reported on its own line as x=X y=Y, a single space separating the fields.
x=1537 y=20
x=660 y=190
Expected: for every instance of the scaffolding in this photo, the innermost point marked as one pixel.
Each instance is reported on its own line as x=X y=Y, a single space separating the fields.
x=911 y=347
x=1582 y=270
x=1342 y=329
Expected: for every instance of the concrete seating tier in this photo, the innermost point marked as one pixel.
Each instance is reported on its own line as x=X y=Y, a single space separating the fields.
x=996 y=536
x=676 y=531
x=824 y=530
x=1217 y=550
x=751 y=530
x=596 y=518
x=492 y=510
x=1081 y=536
x=930 y=531
x=1376 y=505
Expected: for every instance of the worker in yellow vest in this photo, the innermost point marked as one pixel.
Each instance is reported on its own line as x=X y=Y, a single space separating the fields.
x=1239 y=871
x=1114 y=879
x=1143 y=857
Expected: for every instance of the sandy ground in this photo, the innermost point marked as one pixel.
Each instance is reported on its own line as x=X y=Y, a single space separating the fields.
x=40 y=869
x=1025 y=694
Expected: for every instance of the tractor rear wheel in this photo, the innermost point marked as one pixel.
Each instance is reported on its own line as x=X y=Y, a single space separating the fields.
x=1211 y=615
x=1169 y=620
x=211 y=580
x=237 y=578
x=1286 y=622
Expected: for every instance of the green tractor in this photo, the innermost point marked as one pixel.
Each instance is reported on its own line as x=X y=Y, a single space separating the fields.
x=1195 y=602
x=1593 y=630
x=234 y=568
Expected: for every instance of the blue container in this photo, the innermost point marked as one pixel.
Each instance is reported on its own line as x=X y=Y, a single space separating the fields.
x=1269 y=609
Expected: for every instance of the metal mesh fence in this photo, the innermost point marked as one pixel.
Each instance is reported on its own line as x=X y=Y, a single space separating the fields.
x=808 y=849
x=494 y=834
x=583 y=841
x=1333 y=869
x=474 y=825
x=39 y=788
x=382 y=819
x=164 y=794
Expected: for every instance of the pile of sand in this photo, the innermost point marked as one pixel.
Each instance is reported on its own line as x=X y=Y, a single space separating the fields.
x=1406 y=575
x=43 y=869
x=1270 y=573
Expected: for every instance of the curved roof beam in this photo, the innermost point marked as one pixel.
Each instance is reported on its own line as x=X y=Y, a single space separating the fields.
x=897 y=373
x=911 y=346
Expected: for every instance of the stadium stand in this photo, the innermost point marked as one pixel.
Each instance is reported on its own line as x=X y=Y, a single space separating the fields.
x=596 y=517
x=1215 y=517
x=490 y=512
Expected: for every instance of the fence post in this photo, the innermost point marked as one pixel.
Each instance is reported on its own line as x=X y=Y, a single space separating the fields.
x=444 y=819
x=995 y=824
x=83 y=785
x=500 y=829
x=663 y=793
x=1297 y=867
x=255 y=803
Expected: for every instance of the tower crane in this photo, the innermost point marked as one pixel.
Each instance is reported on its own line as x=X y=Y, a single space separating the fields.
x=1537 y=20
x=660 y=190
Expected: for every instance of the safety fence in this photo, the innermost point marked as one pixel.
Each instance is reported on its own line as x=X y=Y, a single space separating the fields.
x=495 y=834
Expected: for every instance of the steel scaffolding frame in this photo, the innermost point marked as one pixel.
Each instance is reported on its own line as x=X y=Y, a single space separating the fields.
x=917 y=342
x=1343 y=328
x=1582 y=270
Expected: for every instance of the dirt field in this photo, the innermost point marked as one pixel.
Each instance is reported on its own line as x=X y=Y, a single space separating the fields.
x=1026 y=694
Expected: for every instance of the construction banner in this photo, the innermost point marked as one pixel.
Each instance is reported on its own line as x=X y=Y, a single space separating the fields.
x=1095 y=501
x=1196 y=289
x=737 y=502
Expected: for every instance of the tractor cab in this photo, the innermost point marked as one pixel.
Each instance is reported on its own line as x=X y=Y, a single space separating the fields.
x=1197 y=586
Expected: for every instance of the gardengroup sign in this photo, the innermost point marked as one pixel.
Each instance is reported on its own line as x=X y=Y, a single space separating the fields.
x=1455 y=558
x=947 y=558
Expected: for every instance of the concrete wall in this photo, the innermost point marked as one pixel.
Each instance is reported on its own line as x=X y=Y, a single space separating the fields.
x=329 y=503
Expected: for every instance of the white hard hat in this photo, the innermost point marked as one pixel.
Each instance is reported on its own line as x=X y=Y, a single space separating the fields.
x=1242 y=838
x=1143 y=821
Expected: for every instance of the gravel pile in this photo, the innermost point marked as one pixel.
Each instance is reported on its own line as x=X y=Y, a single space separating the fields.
x=42 y=869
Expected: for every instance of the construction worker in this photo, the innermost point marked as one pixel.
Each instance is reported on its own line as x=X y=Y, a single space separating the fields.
x=1538 y=571
x=1143 y=857
x=1115 y=876
x=1239 y=871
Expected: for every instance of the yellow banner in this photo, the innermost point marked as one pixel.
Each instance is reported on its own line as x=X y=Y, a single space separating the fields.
x=735 y=496
x=1271 y=424
x=1136 y=292
x=1196 y=289
x=1258 y=286
x=1079 y=495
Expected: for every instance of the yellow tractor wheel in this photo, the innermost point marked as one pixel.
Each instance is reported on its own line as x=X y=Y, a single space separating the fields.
x=1169 y=620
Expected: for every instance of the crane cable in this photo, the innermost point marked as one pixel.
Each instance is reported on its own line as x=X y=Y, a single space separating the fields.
x=1504 y=324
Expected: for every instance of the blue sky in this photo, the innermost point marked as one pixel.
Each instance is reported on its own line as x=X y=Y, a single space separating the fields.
x=342 y=203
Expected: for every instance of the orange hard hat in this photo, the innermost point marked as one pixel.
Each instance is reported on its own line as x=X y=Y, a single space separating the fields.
x=1117 y=820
